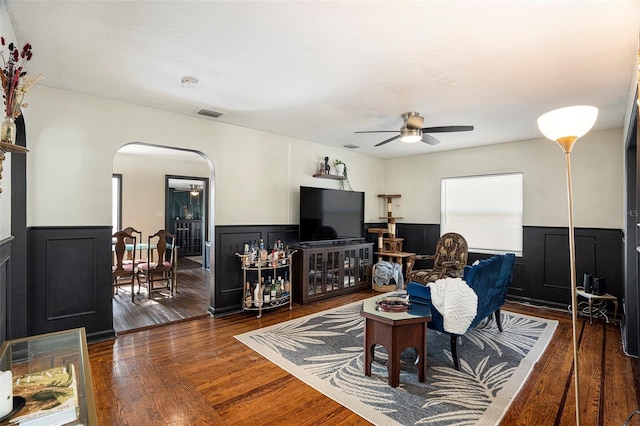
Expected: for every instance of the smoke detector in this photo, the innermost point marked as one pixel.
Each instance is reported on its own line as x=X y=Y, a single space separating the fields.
x=188 y=81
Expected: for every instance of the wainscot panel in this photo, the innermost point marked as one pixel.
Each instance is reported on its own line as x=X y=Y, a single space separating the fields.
x=541 y=275
x=69 y=282
x=228 y=288
x=546 y=260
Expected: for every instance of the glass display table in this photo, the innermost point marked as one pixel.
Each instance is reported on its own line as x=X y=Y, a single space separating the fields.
x=37 y=353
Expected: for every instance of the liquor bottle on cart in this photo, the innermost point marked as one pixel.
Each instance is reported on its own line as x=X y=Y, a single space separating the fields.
x=247 y=295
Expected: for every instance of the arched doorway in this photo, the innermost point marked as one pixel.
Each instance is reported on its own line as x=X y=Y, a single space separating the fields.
x=144 y=171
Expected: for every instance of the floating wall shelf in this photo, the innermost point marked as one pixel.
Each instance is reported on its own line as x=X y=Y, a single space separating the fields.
x=326 y=176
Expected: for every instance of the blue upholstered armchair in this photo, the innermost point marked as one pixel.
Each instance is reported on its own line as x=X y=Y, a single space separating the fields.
x=489 y=279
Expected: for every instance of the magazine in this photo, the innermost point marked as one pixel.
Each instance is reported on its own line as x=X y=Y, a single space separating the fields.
x=51 y=397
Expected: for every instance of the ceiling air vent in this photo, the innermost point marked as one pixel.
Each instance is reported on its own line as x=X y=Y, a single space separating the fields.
x=352 y=146
x=210 y=113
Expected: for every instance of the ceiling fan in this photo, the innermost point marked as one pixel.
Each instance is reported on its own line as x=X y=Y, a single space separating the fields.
x=412 y=130
x=193 y=190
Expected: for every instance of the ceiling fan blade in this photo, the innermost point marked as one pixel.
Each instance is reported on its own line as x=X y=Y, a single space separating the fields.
x=388 y=140
x=430 y=139
x=444 y=129
x=376 y=131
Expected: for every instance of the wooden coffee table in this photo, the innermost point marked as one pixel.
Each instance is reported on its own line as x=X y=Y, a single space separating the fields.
x=395 y=331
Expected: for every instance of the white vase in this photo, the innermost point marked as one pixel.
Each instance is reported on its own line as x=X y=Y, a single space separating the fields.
x=340 y=169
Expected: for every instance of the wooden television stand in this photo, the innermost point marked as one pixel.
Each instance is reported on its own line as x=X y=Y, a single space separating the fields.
x=328 y=270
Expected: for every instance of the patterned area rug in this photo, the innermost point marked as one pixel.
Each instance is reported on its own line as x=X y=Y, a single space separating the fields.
x=325 y=351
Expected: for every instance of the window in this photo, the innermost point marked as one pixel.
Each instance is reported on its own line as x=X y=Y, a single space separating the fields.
x=116 y=202
x=486 y=210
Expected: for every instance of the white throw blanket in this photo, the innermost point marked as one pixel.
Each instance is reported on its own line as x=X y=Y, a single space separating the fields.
x=456 y=302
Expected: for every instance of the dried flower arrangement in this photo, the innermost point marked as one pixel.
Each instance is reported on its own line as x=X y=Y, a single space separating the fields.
x=16 y=84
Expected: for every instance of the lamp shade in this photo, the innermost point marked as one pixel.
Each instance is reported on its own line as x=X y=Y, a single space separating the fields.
x=574 y=121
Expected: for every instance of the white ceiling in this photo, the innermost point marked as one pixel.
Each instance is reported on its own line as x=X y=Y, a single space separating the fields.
x=185 y=184
x=319 y=70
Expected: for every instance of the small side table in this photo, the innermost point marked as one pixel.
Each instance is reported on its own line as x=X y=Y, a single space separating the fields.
x=395 y=331
x=599 y=309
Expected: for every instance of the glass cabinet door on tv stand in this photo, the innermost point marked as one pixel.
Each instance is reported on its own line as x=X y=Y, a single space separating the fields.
x=260 y=271
x=325 y=271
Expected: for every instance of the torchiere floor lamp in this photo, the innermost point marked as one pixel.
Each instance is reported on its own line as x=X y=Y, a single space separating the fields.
x=565 y=126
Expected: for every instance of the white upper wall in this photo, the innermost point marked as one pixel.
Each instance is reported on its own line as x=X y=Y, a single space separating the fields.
x=596 y=163
x=73 y=139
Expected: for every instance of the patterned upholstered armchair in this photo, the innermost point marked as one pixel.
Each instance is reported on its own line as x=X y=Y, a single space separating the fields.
x=448 y=261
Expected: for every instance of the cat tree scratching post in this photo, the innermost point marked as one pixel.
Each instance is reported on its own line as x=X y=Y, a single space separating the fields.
x=389 y=243
x=389 y=246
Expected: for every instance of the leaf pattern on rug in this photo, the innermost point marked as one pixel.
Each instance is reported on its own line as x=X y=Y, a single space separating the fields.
x=348 y=319
x=471 y=389
x=293 y=336
x=328 y=348
x=344 y=370
x=519 y=334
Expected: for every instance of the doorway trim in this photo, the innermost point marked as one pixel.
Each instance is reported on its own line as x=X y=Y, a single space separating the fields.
x=205 y=191
x=210 y=207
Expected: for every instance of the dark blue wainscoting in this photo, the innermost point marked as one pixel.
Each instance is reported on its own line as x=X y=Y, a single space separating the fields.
x=541 y=275
x=228 y=288
x=70 y=280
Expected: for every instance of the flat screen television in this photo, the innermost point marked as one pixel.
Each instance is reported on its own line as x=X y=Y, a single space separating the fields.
x=330 y=215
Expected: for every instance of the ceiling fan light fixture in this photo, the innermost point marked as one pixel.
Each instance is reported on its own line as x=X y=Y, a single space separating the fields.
x=195 y=190
x=410 y=135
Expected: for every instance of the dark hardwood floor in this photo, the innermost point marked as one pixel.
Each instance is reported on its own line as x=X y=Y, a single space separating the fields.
x=191 y=301
x=196 y=373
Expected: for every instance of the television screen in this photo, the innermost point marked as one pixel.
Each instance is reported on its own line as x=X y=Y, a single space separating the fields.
x=330 y=215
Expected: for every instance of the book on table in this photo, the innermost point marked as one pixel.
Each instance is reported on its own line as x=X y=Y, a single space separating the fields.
x=51 y=397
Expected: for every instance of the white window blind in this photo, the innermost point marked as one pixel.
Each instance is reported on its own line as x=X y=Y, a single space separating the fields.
x=485 y=210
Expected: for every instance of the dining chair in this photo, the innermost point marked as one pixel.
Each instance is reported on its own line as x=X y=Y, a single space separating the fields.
x=161 y=247
x=123 y=273
x=131 y=255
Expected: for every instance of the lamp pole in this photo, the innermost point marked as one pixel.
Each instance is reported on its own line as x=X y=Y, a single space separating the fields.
x=565 y=126
x=567 y=145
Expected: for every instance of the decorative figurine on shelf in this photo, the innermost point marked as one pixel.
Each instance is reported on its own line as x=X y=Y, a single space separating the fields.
x=327 y=167
x=187 y=215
